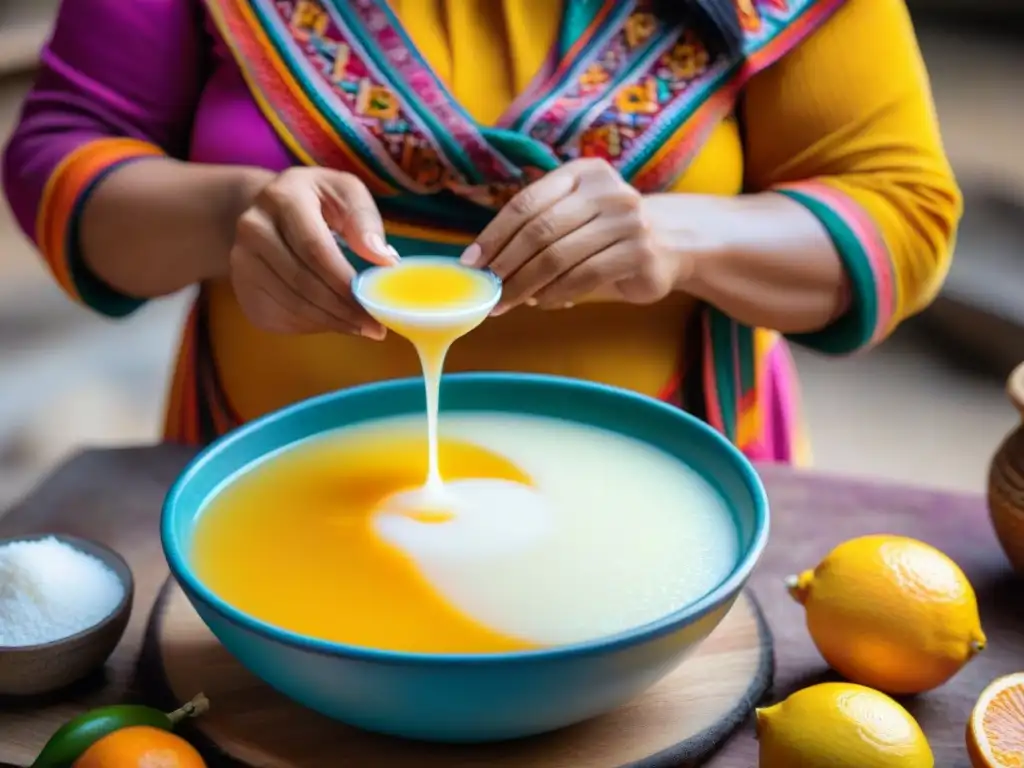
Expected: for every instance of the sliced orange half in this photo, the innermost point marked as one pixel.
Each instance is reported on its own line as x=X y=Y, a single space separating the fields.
x=995 y=732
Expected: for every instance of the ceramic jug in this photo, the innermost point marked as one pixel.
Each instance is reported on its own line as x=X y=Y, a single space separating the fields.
x=1006 y=481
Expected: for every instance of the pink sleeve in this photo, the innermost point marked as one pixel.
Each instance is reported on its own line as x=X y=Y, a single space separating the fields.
x=119 y=81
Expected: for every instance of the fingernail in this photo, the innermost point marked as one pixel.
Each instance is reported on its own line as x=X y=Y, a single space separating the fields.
x=568 y=305
x=381 y=248
x=531 y=302
x=375 y=332
x=394 y=253
x=471 y=255
x=499 y=310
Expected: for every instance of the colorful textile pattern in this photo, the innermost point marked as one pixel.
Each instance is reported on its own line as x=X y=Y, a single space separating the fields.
x=345 y=86
x=644 y=95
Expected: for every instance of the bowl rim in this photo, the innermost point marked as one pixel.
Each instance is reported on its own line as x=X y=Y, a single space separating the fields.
x=724 y=591
x=109 y=557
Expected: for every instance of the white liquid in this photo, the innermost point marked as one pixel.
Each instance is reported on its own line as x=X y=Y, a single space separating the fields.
x=616 y=533
x=432 y=332
x=488 y=517
x=433 y=365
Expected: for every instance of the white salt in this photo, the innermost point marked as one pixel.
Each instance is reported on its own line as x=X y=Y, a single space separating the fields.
x=49 y=590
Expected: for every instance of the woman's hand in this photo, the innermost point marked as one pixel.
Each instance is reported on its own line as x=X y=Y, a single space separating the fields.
x=578 y=231
x=288 y=273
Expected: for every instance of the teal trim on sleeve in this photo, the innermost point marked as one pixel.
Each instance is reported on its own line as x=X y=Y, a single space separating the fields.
x=856 y=327
x=93 y=292
x=723 y=350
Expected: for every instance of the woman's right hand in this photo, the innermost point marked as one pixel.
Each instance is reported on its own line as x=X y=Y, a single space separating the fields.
x=288 y=272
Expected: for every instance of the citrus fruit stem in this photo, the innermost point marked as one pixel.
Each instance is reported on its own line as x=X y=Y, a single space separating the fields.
x=799 y=586
x=194 y=708
x=760 y=721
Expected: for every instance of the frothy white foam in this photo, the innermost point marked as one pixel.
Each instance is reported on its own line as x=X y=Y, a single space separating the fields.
x=616 y=533
x=488 y=518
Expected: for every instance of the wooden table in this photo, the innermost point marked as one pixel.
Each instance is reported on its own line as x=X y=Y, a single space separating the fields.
x=115 y=497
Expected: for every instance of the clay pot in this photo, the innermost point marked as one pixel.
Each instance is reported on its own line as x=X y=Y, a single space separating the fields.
x=1006 y=481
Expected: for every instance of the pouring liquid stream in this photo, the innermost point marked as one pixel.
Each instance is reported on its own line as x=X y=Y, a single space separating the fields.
x=432 y=302
x=433 y=363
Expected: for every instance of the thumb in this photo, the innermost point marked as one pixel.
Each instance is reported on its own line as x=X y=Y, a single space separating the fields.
x=351 y=211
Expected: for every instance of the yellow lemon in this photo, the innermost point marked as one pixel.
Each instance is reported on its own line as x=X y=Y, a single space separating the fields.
x=891 y=613
x=840 y=725
x=995 y=732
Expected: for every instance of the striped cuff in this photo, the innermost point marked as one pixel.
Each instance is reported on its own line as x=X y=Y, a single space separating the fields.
x=59 y=219
x=868 y=264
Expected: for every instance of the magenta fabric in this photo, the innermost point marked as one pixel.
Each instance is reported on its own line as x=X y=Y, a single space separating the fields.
x=153 y=70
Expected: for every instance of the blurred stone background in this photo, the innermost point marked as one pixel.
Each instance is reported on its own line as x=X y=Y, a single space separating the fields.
x=928 y=407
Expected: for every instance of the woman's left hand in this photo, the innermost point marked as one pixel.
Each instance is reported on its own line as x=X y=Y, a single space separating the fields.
x=578 y=231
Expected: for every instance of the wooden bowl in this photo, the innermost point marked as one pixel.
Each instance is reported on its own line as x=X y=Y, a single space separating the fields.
x=1006 y=481
x=37 y=669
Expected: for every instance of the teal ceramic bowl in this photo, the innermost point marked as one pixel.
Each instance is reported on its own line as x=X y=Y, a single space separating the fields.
x=468 y=698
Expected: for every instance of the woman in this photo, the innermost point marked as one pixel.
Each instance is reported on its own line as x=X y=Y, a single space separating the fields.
x=668 y=190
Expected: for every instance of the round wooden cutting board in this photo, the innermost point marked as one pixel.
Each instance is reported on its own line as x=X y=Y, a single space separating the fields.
x=680 y=721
